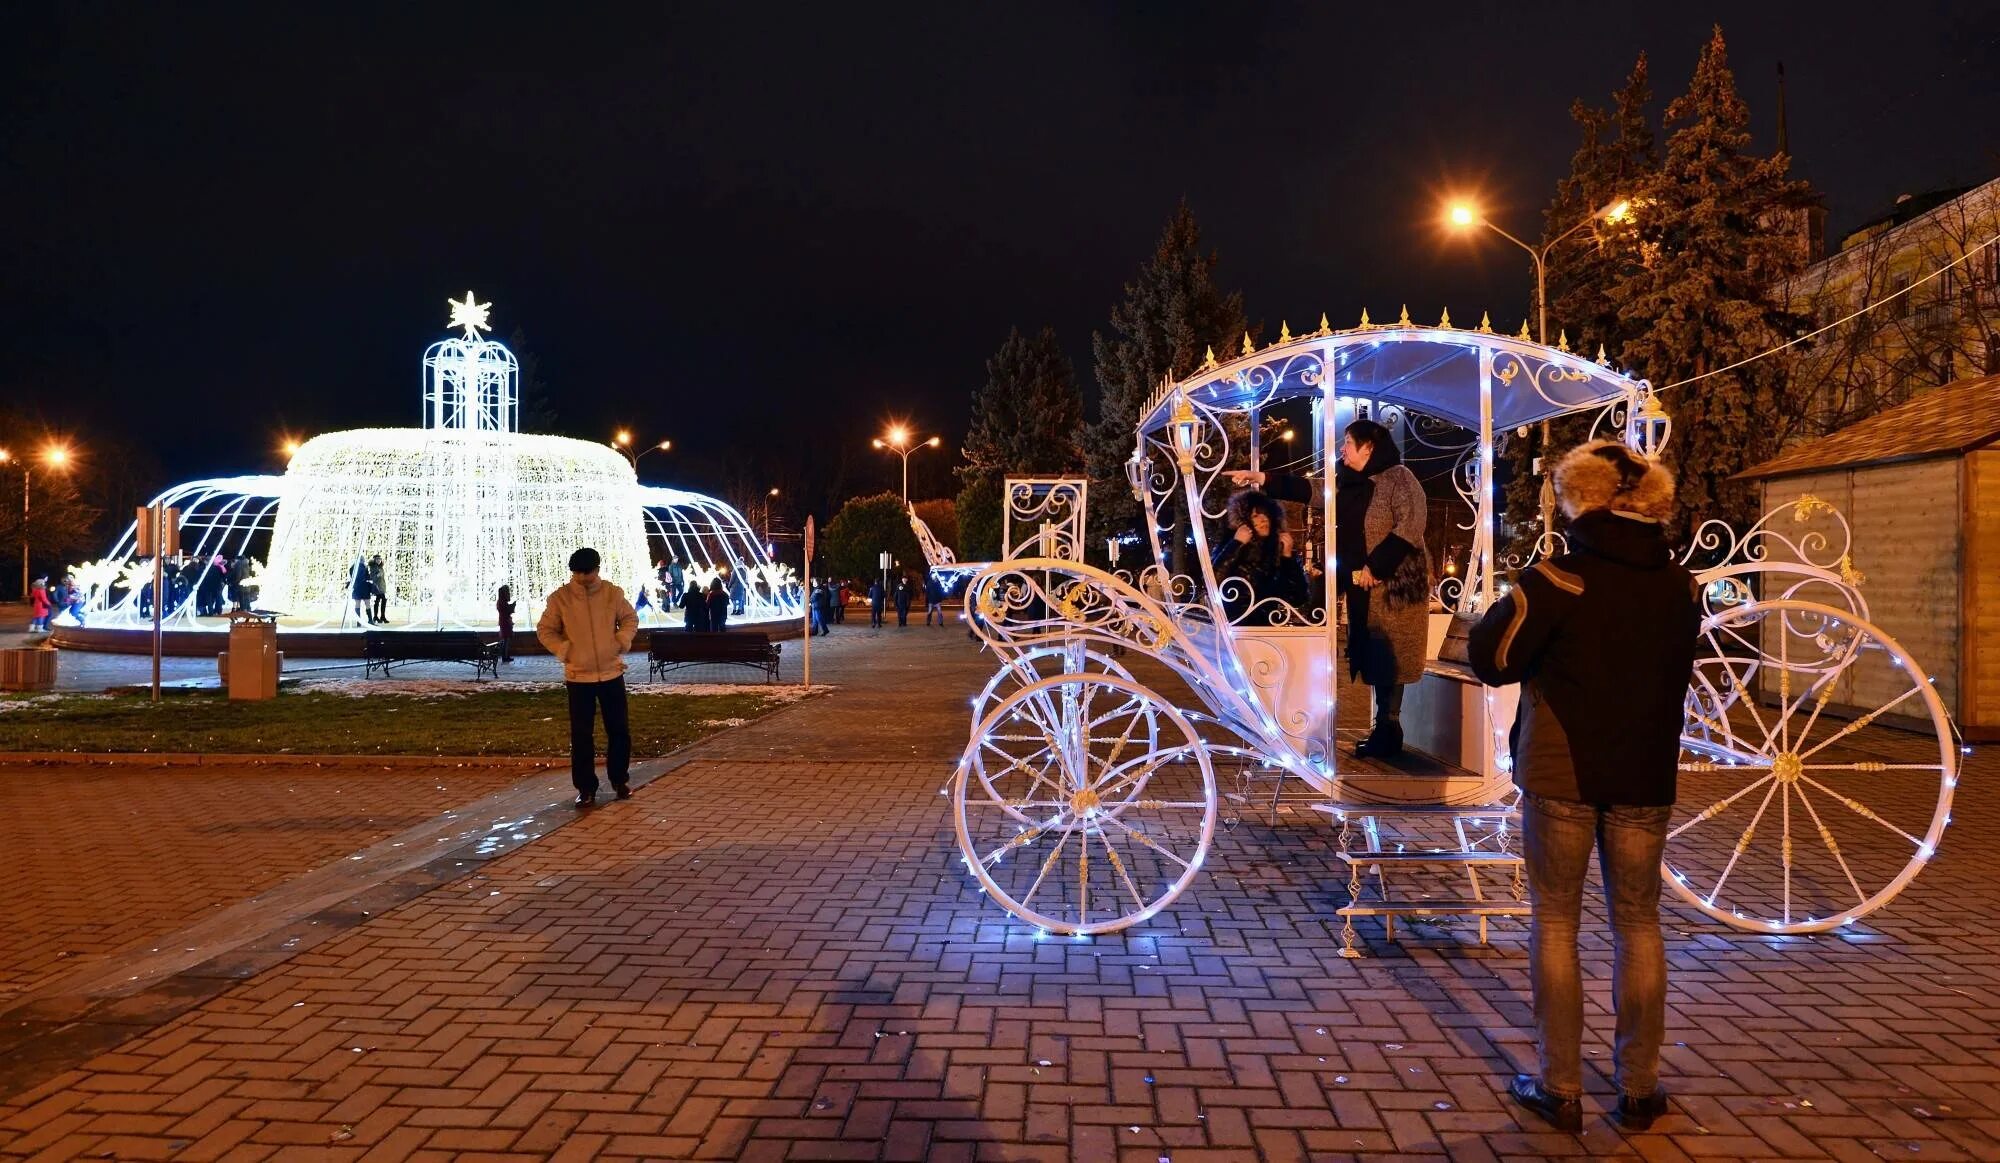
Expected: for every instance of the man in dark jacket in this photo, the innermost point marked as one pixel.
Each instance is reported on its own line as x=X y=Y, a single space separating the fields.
x=1602 y=643
x=933 y=598
x=875 y=599
x=903 y=601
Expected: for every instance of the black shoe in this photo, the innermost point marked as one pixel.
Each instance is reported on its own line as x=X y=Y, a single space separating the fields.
x=624 y=791
x=1365 y=748
x=1389 y=740
x=1637 y=1114
x=1564 y=1114
x=586 y=799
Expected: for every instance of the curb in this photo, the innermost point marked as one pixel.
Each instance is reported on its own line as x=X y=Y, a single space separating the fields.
x=274 y=759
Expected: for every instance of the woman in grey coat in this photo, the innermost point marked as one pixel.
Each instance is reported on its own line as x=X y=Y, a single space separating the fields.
x=1384 y=569
x=1385 y=572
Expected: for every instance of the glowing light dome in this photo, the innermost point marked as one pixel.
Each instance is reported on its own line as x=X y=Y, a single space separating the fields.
x=456 y=509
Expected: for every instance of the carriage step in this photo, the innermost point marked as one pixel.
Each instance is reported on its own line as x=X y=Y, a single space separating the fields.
x=1451 y=856
x=1359 y=811
x=1441 y=907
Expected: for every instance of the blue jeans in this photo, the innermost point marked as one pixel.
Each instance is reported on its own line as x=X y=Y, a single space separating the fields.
x=1556 y=838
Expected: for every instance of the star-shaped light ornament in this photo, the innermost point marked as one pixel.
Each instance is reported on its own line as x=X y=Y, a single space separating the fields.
x=470 y=315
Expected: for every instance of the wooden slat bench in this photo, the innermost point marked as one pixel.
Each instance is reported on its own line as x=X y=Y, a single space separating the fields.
x=384 y=649
x=674 y=649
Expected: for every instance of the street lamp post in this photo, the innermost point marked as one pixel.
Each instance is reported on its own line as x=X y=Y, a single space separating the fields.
x=767 y=519
x=622 y=441
x=1463 y=215
x=898 y=442
x=55 y=456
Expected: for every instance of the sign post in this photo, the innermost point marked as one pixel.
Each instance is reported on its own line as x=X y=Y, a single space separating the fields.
x=158 y=533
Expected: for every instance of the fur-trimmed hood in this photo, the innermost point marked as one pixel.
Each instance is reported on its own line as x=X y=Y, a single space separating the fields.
x=1246 y=502
x=1605 y=474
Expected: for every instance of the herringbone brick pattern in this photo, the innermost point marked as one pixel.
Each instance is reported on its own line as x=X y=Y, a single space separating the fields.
x=100 y=859
x=774 y=953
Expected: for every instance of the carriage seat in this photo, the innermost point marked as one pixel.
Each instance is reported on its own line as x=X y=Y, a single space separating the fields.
x=1451 y=715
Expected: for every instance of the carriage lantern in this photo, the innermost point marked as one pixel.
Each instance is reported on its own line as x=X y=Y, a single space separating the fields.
x=1650 y=426
x=1186 y=428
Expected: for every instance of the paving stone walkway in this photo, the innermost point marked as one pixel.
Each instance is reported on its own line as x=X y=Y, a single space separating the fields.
x=100 y=859
x=773 y=952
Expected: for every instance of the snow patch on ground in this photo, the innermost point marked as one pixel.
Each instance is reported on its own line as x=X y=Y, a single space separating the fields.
x=723 y=722
x=33 y=702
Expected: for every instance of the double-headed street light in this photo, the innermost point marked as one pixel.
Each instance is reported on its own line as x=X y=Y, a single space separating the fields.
x=622 y=441
x=54 y=456
x=1463 y=214
x=898 y=441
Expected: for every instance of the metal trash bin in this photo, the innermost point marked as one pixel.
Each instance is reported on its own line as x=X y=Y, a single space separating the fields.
x=28 y=668
x=253 y=656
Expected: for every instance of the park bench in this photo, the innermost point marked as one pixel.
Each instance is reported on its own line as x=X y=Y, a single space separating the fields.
x=674 y=649
x=383 y=649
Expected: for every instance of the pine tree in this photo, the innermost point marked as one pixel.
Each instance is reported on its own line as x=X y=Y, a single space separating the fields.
x=1173 y=313
x=1708 y=224
x=1027 y=418
x=1584 y=269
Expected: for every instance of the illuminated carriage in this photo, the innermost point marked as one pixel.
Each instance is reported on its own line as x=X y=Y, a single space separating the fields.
x=1086 y=801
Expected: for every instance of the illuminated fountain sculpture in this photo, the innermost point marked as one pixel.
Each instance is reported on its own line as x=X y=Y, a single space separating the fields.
x=456 y=509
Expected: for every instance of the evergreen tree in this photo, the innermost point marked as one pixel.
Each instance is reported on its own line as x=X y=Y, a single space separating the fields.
x=1172 y=314
x=1709 y=227
x=1584 y=269
x=1026 y=418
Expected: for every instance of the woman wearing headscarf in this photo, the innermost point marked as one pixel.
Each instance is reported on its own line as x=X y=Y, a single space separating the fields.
x=1379 y=510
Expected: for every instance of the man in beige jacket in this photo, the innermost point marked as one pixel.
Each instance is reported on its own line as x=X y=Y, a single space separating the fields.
x=589 y=625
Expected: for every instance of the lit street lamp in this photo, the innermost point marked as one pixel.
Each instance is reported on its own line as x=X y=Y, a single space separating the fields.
x=898 y=442
x=622 y=441
x=1463 y=215
x=54 y=456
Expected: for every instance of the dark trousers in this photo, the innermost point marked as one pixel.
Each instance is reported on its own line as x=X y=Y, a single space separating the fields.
x=379 y=608
x=1556 y=839
x=506 y=644
x=585 y=699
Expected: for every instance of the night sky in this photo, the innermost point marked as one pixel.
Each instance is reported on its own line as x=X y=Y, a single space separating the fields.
x=759 y=233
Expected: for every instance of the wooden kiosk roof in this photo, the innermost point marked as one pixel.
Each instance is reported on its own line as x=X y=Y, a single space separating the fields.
x=1947 y=421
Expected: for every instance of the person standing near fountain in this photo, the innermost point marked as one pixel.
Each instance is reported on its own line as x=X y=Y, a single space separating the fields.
x=588 y=624
x=378 y=583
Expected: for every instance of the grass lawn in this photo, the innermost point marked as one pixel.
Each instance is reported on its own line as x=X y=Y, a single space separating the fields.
x=489 y=722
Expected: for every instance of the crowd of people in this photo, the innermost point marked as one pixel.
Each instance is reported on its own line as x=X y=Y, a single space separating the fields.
x=828 y=601
x=210 y=585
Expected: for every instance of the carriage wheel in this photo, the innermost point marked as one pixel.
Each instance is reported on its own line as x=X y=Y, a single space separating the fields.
x=1084 y=804
x=1801 y=807
x=1026 y=669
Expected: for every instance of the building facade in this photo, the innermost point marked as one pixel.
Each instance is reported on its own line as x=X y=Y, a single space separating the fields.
x=1945 y=327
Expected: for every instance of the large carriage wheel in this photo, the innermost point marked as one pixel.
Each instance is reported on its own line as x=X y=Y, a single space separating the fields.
x=1084 y=803
x=1801 y=807
x=1024 y=670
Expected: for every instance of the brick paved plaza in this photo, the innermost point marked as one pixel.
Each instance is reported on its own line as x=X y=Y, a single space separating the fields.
x=773 y=952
